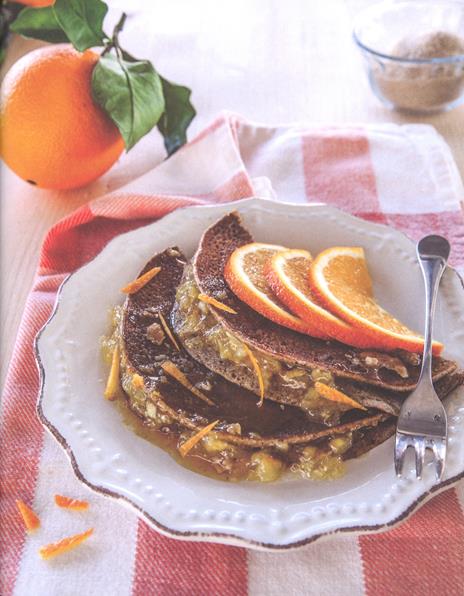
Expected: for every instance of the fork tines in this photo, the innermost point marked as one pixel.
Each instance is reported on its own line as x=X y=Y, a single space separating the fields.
x=420 y=443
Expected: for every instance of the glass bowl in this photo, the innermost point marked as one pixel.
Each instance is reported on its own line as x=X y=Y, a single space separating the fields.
x=397 y=40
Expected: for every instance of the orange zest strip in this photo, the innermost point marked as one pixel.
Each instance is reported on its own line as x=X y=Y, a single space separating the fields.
x=190 y=443
x=112 y=384
x=168 y=332
x=259 y=374
x=137 y=284
x=335 y=395
x=137 y=381
x=216 y=303
x=73 y=504
x=30 y=519
x=171 y=369
x=63 y=546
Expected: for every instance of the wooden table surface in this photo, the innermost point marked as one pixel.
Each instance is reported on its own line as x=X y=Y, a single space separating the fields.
x=271 y=61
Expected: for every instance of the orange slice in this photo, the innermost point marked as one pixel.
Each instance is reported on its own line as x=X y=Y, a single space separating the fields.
x=287 y=275
x=340 y=278
x=245 y=274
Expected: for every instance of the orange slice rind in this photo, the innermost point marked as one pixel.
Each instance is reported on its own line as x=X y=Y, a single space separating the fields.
x=340 y=278
x=287 y=275
x=245 y=275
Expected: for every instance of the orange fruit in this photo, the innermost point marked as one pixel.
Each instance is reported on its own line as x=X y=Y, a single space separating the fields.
x=36 y=3
x=340 y=278
x=245 y=274
x=53 y=134
x=287 y=275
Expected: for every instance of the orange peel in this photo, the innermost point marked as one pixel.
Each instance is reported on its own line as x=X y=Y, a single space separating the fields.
x=69 y=503
x=259 y=374
x=190 y=443
x=112 y=384
x=333 y=394
x=168 y=332
x=49 y=551
x=173 y=371
x=30 y=518
x=137 y=284
x=216 y=303
x=137 y=381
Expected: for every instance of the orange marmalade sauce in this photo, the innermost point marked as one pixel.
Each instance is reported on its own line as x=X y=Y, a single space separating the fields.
x=213 y=457
x=169 y=442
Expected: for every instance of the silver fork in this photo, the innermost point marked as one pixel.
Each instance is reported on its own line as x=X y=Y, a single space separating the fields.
x=422 y=421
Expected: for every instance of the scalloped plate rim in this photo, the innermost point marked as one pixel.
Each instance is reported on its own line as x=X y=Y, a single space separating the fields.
x=211 y=536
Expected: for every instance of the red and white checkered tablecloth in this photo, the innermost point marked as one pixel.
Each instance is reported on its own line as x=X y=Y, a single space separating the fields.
x=401 y=176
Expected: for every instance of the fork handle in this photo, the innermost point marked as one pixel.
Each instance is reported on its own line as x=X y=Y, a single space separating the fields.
x=432 y=252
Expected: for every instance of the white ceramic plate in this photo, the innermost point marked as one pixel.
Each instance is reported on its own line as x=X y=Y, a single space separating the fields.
x=111 y=459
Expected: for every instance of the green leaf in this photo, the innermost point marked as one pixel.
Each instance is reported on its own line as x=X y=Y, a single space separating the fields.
x=131 y=94
x=82 y=21
x=178 y=114
x=39 y=23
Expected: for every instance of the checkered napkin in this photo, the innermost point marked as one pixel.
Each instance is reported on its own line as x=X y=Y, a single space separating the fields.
x=402 y=176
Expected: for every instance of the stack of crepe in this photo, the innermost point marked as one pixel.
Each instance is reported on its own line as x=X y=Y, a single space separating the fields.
x=188 y=365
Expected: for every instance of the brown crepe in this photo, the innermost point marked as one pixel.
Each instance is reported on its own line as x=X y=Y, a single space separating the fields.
x=270 y=425
x=216 y=245
x=373 y=397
